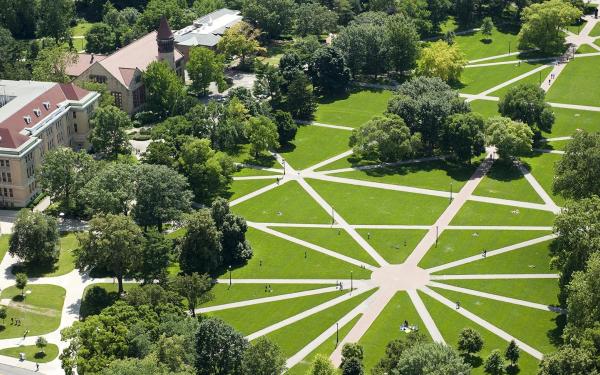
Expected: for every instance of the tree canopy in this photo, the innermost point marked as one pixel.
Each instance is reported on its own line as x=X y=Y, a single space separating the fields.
x=577 y=173
x=35 y=238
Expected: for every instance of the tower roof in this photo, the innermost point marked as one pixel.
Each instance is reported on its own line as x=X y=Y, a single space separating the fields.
x=164 y=31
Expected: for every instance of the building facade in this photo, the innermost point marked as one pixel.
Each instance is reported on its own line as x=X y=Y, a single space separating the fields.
x=36 y=117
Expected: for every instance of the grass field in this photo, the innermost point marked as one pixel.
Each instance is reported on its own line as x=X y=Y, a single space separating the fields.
x=64 y=265
x=586 y=48
x=4 y=245
x=568 y=121
x=314 y=144
x=477 y=46
x=243 y=155
x=39 y=312
x=478 y=213
x=534 y=79
x=478 y=79
x=542 y=168
x=595 y=31
x=353 y=109
x=32 y=353
x=393 y=245
x=506 y=181
x=239 y=188
x=486 y=108
x=578 y=83
x=243 y=172
x=459 y=244
x=224 y=294
x=362 y=205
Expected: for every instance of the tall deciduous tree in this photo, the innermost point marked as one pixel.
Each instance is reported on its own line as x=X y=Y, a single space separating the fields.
x=511 y=138
x=201 y=249
x=54 y=18
x=111 y=190
x=314 y=19
x=165 y=93
x=431 y=358
x=34 y=238
x=195 y=288
x=286 y=126
x=494 y=363
x=21 y=281
x=275 y=17
x=487 y=26
x=322 y=365
x=568 y=360
x=402 y=41
x=100 y=38
x=239 y=40
x=328 y=71
x=463 y=135
x=155 y=258
x=219 y=348
x=233 y=228
x=112 y=242
x=441 y=60
x=263 y=357
x=578 y=171
x=51 y=64
x=527 y=103
x=262 y=134
x=108 y=132
x=512 y=353
x=204 y=67
x=470 y=341
x=300 y=100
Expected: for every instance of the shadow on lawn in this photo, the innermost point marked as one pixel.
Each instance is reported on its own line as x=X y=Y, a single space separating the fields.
x=555 y=334
x=458 y=172
x=505 y=172
x=354 y=90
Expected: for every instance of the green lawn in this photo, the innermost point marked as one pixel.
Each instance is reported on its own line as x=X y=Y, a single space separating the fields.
x=353 y=109
x=555 y=145
x=534 y=79
x=347 y=162
x=595 y=31
x=504 y=180
x=393 y=245
x=80 y=30
x=577 y=27
x=64 y=265
x=32 y=353
x=276 y=258
x=243 y=172
x=387 y=328
x=459 y=244
x=536 y=328
x=224 y=294
x=326 y=348
x=294 y=337
x=39 y=312
x=362 y=205
x=478 y=213
x=530 y=259
x=486 y=108
x=577 y=84
x=569 y=120
x=478 y=79
x=314 y=144
x=332 y=239
x=239 y=188
x=242 y=155
x=250 y=319
x=542 y=168
x=586 y=48
x=476 y=45
x=4 y=238
x=436 y=175
x=544 y=291
x=453 y=323
x=288 y=203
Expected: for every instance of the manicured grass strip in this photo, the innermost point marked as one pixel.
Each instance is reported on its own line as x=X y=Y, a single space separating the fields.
x=288 y=203
x=353 y=109
x=295 y=336
x=576 y=28
x=243 y=155
x=544 y=291
x=363 y=205
x=578 y=83
x=479 y=79
x=435 y=175
x=243 y=172
x=239 y=188
x=224 y=294
x=459 y=244
x=568 y=121
x=476 y=45
x=450 y=323
x=534 y=79
x=64 y=265
x=555 y=145
x=314 y=144
x=479 y=213
x=250 y=319
x=276 y=258
x=347 y=162
x=505 y=180
x=530 y=259
x=387 y=328
x=393 y=245
x=326 y=348
x=32 y=353
x=39 y=312
x=486 y=108
x=586 y=48
x=595 y=31
x=537 y=328
x=542 y=168
x=334 y=239
x=4 y=245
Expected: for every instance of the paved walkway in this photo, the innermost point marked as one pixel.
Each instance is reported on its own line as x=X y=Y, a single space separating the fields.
x=498 y=276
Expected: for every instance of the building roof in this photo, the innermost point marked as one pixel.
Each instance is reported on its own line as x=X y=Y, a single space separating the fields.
x=30 y=104
x=136 y=55
x=208 y=30
x=83 y=62
x=164 y=31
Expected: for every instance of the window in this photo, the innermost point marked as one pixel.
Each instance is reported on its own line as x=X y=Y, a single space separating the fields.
x=74 y=114
x=118 y=99
x=139 y=96
x=8 y=163
x=10 y=192
x=9 y=177
x=27 y=119
x=98 y=79
x=75 y=127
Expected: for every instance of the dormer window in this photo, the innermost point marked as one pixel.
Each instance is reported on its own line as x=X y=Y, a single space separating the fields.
x=47 y=105
x=37 y=112
x=27 y=119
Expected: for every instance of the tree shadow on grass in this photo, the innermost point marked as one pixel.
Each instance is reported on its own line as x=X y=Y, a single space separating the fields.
x=40 y=355
x=555 y=334
x=18 y=298
x=473 y=360
x=513 y=370
x=505 y=172
x=455 y=171
x=345 y=95
x=34 y=270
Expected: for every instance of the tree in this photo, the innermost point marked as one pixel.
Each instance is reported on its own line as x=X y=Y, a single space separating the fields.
x=233 y=228
x=441 y=60
x=300 y=101
x=51 y=64
x=177 y=12
x=352 y=357
x=438 y=12
x=463 y=135
x=577 y=172
x=21 y=282
x=568 y=361
x=160 y=153
x=202 y=7
x=201 y=249
x=165 y=92
x=394 y=350
x=239 y=40
x=512 y=353
x=584 y=295
x=418 y=10
x=431 y=358
x=487 y=26
x=100 y=38
x=286 y=126
x=544 y=24
x=466 y=12
x=494 y=363
x=275 y=17
x=402 y=41
x=106 y=98
x=110 y=190
x=527 y=103
x=322 y=365
x=108 y=132
x=219 y=348
x=328 y=71
x=112 y=242
x=511 y=138
x=155 y=258
x=63 y=174
x=19 y=17
x=385 y=138
x=470 y=341
x=262 y=135
x=351 y=42
x=41 y=343
x=314 y=19
x=3 y=314
x=54 y=18
x=194 y=288
x=161 y=195
x=35 y=237
x=263 y=357
x=204 y=67
x=147 y=365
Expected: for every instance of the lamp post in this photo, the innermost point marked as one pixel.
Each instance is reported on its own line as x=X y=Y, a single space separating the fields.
x=451 y=191
x=436 y=235
x=509 y=47
x=337 y=334
x=229 y=268
x=283 y=162
x=351 y=282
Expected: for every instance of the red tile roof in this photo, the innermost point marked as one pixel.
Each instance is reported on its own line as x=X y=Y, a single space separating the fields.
x=84 y=61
